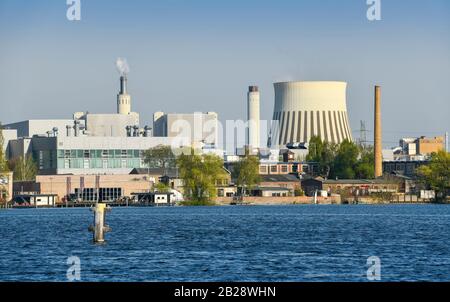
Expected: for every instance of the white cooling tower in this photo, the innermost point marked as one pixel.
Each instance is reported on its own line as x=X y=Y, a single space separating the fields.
x=253 y=112
x=306 y=109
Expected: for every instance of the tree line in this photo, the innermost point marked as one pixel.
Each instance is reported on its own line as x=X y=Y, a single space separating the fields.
x=202 y=173
x=346 y=160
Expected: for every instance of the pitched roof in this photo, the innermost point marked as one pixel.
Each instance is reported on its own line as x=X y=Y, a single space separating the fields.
x=279 y=178
x=171 y=172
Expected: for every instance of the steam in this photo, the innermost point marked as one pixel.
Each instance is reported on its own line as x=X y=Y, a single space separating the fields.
x=122 y=66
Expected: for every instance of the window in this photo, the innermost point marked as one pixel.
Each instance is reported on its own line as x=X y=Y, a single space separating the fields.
x=86 y=154
x=273 y=169
x=123 y=153
x=263 y=169
x=284 y=169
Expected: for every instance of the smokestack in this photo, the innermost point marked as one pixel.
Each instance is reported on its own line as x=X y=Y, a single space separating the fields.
x=123 y=98
x=253 y=117
x=123 y=84
x=378 y=137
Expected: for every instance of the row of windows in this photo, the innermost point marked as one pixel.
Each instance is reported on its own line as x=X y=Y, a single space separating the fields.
x=279 y=169
x=101 y=163
x=100 y=153
x=104 y=194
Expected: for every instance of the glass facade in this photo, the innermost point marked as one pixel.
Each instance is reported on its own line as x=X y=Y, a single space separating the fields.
x=100 y=159
x=104 y=194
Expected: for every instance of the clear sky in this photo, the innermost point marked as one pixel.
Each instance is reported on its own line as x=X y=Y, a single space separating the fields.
x=201 y=55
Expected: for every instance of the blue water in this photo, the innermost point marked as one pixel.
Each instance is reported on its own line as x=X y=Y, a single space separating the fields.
x=291 y=243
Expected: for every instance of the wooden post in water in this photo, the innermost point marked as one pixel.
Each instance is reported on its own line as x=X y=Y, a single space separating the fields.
x=99 y=228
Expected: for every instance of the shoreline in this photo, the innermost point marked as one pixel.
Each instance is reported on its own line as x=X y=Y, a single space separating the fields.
x=235 y=205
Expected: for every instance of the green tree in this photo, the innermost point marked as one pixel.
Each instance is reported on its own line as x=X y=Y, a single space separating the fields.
x=323 y=153
x=200 y=174
x=160 y=157
x=365 y=168
x=246 y=173
x=161 y=188
x=436 y=175
x=25 y=168
x=3 y=161
x=346 y=161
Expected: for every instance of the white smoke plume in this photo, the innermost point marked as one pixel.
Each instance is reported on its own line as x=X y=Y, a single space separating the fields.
x=122 y=66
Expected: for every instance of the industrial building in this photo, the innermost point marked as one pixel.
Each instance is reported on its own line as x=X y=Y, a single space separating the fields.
x=188 y=128
x=306 y=109
x=104 y=143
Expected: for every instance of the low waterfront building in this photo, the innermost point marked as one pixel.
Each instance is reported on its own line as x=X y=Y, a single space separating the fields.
x=271 y=192
x=287 y=181
x=154 y=198
x=103 y=188
x=360 y=187
x=35 y=200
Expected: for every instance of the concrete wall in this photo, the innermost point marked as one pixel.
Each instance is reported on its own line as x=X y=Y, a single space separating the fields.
x=194 y=127
x=8 y=135
x=110 y=125
x=426 y=146
x=30 y=128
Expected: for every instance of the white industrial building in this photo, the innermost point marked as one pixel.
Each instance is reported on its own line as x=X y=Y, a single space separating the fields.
x=104 y=143
x=191 y=128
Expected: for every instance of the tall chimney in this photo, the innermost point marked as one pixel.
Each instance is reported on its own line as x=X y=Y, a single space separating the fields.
x=123 y=98
x=123 y=84
x=253 y=117
x=377 y=137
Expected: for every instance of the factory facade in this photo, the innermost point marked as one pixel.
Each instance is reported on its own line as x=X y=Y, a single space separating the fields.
x=105 y=143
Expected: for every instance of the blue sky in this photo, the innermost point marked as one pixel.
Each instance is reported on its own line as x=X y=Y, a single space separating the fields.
x=201 y=55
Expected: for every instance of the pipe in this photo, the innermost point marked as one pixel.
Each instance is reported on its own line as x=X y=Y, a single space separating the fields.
x=123 y=84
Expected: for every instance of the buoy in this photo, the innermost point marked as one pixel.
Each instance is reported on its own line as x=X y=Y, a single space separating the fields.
x=99 y=228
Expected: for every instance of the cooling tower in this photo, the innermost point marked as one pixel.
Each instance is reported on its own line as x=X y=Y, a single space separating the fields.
x=306 y=109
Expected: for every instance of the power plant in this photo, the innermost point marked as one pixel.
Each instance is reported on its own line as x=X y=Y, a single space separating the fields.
x=306 y=109
x=253 y=117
